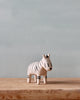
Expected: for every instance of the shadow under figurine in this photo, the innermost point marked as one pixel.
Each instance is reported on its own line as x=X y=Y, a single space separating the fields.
x=39 y=69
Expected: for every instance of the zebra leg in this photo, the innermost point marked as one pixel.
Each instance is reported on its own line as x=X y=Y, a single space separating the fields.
x=35 y=78
x=45 y=79
x=38 y=80
x=28 y=78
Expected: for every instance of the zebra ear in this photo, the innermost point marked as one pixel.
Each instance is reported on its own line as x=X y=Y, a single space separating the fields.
x=48 y=55
x=44 y=56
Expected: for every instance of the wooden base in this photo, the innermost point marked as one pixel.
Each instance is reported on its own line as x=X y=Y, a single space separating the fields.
x=55 y=89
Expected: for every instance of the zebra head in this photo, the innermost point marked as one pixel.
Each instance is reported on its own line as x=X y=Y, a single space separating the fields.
x=47 y=62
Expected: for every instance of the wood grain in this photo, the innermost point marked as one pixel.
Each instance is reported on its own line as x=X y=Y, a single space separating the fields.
x=55 y=89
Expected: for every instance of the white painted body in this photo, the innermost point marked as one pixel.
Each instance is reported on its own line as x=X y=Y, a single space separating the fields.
x=39 y=69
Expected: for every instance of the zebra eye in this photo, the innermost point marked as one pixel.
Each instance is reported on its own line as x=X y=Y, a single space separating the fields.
x=48 y=64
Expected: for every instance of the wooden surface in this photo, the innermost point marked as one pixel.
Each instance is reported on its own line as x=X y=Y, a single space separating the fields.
x=55 y=89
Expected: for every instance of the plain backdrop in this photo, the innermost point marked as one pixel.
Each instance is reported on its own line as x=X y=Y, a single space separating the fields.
x=31 y=28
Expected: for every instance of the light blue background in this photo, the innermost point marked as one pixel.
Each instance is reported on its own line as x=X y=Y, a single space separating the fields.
x=30 y=28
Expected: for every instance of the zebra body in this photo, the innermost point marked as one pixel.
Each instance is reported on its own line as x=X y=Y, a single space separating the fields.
x=36 y=69
x=39 y=69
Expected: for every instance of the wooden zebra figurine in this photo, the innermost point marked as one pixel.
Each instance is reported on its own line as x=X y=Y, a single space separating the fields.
x=39 y=69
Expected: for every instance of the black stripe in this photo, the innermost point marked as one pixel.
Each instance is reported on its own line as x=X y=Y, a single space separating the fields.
x=45 y=76
x=44 y=65
x=36 y=68
x=38 y=77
